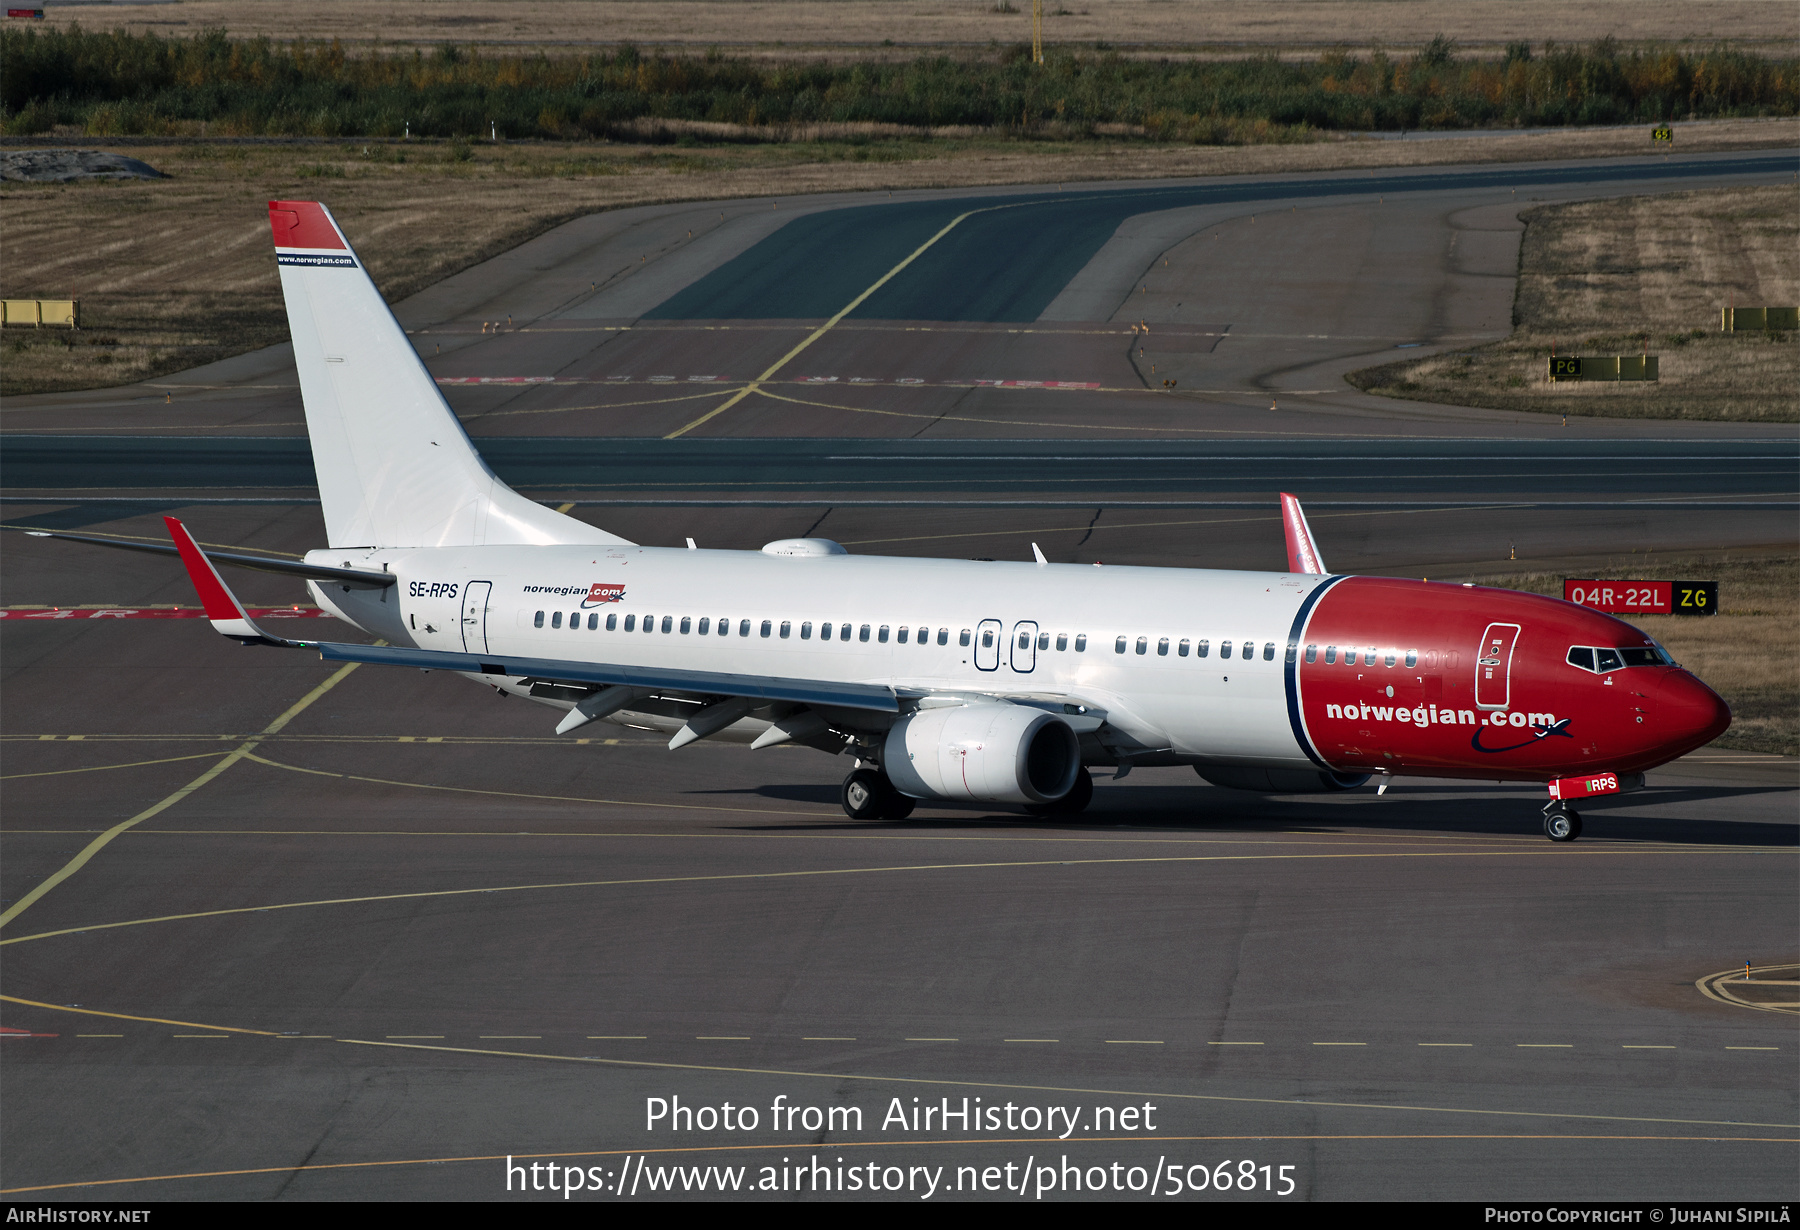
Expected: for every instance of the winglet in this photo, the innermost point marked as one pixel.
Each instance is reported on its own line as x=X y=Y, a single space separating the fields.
x=1303 y=552
x=222 y=607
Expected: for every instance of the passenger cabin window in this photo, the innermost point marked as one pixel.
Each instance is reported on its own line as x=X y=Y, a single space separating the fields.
x=1119 y=645
x=766 y=627
x=1268 y=651
x=1081 y=643
x=1181 y=650
x=1043 y=640
x=824 y=632
x=1312 y=653
x=786 y=628
x=806 y=631
x=1389 y=660
x=612 y=623
x=963 y=640
x=1224 y=649
x=1062 y=642
x=882 y=634
x=649 y=623
x=1201 y=648
x=1412 y=658
x=1143 y=644
x=943 y=636
x=1369 y=657
x=687 y=625
x=705 y=625
x=594 y=623
x=1330 y=654
x=1024 y=640
x=843 y=632
x=574 y=621
x=556 y=619
x=1162 y=647
x=862 y=633
x=987 y=638
x=900 y=635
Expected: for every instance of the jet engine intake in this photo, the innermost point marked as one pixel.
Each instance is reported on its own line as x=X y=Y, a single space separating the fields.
x=987 y=753
x=1280 y=781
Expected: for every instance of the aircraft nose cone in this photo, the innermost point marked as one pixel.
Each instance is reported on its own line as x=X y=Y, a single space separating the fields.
x=1689 y=713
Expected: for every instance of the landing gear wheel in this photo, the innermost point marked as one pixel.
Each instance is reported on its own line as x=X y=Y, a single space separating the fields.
x=1071 y=804
x=868 y=795
x=1562 y=824
x=898 y=806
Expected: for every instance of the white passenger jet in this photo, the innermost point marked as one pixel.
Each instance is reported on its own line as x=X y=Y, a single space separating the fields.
x=961 y=680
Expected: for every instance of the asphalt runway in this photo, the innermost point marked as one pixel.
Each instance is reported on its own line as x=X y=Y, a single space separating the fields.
x=514 y=941
x=369 y=932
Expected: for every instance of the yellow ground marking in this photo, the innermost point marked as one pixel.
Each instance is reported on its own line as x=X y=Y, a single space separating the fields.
x=820 y=873
x=1715 y=987
x=1120 y=1093
x=711 y=390
x=822 y=330
x=630 y=1038
x=1546 y=1046
x=968 y=418
x=1234 y=1044
x=200 y=1035
x=867 y=1144
x=564 y=508
x=721 y=1037
x=1012 y=1039
x=1753 y=1048
x=99 y=843
x=156 y=538
x=124 y=1016
x=416 y=1037
x=96 y=768
x=516 y=794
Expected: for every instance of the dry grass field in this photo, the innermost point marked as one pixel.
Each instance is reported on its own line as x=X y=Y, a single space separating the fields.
x=880 y=27
x=177 y=272
x=1630 y=276
x=1749 y=652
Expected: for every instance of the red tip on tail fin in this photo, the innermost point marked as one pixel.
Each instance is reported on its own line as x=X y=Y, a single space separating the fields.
x=303 y=224
x=1303 y=552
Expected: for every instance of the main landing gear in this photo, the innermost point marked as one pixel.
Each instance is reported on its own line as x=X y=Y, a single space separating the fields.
x=869 y=795
x=1561 y=822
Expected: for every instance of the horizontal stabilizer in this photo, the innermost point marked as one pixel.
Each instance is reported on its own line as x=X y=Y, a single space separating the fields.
x=1303 y=552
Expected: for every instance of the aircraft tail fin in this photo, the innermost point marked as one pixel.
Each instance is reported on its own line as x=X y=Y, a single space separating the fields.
x=395 y=468
x=1303 y=552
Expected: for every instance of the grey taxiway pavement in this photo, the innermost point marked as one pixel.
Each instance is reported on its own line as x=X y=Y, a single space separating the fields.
x=366 y=933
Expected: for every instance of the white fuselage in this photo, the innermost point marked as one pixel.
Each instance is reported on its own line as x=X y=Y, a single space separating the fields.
x=1046 y=632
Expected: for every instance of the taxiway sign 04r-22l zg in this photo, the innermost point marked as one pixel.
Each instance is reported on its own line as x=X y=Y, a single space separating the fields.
x=962 y=680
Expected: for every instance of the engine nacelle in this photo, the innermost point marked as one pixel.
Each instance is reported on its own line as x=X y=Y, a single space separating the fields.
x=987 y=753
x=1281 y=781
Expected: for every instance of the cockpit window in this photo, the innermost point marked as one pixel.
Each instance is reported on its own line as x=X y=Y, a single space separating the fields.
x=1603 y=660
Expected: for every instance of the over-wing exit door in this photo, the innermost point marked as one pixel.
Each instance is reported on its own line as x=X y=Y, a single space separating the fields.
x=474 y=615
x=987 y=645
x=1024 y=646
x=1493 y=666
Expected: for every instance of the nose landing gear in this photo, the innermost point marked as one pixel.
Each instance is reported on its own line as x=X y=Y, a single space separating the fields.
x=869 y=795
x=1561 y=822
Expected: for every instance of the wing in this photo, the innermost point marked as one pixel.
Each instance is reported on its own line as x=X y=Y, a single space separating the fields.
x=354 y=577
x=1303 y=552
x=229 y=618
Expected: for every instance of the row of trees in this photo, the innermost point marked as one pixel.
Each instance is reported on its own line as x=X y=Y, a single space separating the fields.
x=118 y=83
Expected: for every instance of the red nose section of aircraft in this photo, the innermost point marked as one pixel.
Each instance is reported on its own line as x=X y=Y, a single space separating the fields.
x=1464 y=681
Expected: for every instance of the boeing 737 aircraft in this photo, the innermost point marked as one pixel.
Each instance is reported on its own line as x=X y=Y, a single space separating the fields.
x=961 y=680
